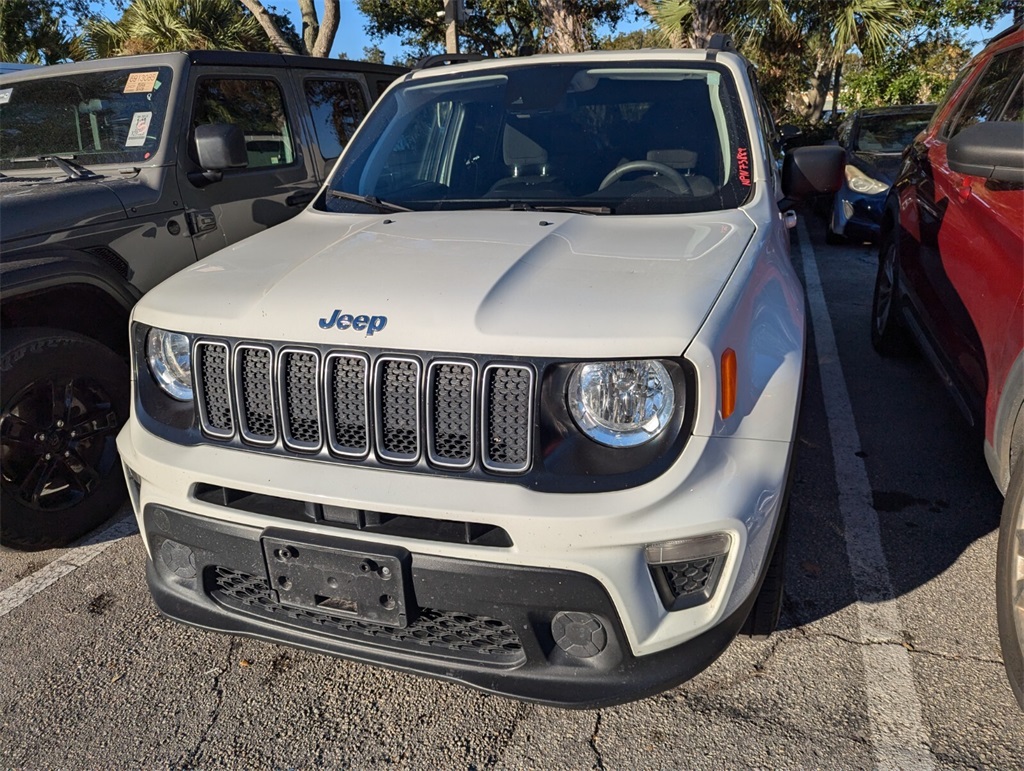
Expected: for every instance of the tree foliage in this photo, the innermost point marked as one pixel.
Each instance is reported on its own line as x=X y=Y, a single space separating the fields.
x=494 y=27
x=33 y=32
x=154 y=26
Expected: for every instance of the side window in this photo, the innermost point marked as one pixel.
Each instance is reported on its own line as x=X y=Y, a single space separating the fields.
x=256 y=107
x=337 y=107
x=1015 y=106
x=382 y=86
x=988 y=97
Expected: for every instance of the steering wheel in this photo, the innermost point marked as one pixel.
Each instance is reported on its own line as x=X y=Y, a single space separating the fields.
x=667 y=171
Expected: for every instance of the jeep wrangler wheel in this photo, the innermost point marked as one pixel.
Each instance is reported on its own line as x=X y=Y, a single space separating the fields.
x=63 y=398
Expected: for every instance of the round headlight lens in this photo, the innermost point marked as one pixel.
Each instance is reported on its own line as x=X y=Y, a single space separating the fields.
x=621 y=403
x=170 y=360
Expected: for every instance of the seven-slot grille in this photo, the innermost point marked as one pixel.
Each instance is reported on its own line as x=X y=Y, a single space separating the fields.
x=453 y=413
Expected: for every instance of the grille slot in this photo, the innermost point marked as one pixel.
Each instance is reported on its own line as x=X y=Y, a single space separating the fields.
x=451 y=387
x=349 y=421
x=254 y=370
x=398 y=409
x=459 y=635
x=687 y=584
x=214 y=390
x=508 y=406
x=300 y=399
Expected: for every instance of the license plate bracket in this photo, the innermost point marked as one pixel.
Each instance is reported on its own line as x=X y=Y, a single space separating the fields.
x=344 y=578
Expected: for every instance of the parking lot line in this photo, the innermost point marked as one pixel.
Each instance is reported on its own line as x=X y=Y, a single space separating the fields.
x=898 y=736
x=16 y=595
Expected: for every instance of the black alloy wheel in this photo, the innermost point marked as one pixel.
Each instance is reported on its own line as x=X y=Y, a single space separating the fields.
x=64 y=397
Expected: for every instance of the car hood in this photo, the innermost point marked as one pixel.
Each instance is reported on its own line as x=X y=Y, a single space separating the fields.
x=510 y=283
x=40 y=205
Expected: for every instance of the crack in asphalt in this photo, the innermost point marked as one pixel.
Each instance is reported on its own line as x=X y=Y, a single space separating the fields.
x=598 y=757
x=218 y=691
x=908 y=646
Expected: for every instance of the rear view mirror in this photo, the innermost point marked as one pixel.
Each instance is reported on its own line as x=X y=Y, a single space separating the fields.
x=218 y=146
x=992 y=150
x=812 y=171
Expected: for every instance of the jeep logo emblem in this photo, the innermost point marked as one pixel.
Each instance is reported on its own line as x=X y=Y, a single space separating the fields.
x=368 y=324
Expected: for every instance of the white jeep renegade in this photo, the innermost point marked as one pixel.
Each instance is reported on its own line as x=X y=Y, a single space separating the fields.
x=513 y=402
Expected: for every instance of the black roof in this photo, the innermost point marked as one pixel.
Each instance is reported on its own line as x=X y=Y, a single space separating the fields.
x=256 y=59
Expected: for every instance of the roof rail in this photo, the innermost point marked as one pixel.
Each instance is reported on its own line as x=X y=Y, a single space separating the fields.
x=438 y=60
x=719 y=42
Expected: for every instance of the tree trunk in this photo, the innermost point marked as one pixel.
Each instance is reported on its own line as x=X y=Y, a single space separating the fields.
x=310 y=25
x=708 y=18
x=566 y=34
x=267 y=22
x=328 y=29
x=836 y=82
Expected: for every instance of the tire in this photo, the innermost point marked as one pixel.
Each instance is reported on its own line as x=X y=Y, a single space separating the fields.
x=63 y=398
x=764 y=615
x=1010 y=582
x=888 y=335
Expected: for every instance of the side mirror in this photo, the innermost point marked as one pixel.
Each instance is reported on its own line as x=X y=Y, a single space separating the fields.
x=993 y=150
x=218 y=146
x=811 y=171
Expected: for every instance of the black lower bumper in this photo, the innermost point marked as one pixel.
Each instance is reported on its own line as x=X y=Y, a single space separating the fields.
x=486 y=625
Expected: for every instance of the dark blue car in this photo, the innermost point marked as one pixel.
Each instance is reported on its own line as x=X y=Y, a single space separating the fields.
x=874 y=140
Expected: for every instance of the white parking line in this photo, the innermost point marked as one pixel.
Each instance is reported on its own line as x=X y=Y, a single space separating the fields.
x=899 y=738
x=28 y=587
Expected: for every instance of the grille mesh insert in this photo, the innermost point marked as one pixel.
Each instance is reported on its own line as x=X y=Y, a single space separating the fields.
x=691 y=577
x=451 y=392
x=508 y=394
x=216 y=394
x=257 y=393
x=348 y=403
x=399 y=394
x=301 y=397
x=480 y=638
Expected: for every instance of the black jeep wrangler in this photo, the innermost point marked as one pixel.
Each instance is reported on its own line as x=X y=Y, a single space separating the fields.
x=114 y=174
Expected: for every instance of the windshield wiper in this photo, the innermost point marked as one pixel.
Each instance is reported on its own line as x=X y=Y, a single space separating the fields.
x=524 y=206
x=372 y=200
x=64 y=163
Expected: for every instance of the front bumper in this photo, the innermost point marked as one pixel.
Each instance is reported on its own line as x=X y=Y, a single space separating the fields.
x=566 y=553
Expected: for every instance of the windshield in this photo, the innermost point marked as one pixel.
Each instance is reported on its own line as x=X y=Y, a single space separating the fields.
x=889 y=133
x=612 y=138
x=92 y=117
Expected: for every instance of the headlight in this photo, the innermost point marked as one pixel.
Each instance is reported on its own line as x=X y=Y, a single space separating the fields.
x=862 y=183
x=170 y=360
x=621 y=403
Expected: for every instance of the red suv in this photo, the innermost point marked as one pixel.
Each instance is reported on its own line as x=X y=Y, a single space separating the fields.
x=951 y=277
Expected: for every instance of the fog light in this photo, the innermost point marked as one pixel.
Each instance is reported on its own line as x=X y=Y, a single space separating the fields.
x=686 y=572
x=178 y=558
x=579 y=634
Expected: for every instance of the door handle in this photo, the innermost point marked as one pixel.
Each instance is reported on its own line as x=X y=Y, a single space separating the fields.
x=300 y=199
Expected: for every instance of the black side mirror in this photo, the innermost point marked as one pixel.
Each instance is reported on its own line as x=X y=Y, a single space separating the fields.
x=218 y=146
x=812 y=171
x=993 y=150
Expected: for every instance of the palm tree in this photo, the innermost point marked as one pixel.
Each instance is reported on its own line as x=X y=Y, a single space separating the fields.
x=820 y=32
x=154 y=26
